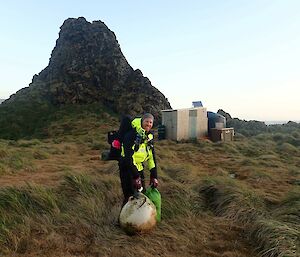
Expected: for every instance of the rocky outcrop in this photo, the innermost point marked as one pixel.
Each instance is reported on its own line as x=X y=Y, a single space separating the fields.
x=87 y=66
x=225 y=114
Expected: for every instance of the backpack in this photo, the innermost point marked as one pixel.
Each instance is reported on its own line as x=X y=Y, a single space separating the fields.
x=125 y=126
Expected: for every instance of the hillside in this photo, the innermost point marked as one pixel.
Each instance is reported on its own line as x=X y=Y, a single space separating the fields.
x=254 y=127
x=86 y=67
x=239 y=199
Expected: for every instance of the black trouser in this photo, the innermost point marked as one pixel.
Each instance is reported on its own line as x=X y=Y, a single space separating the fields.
x=127 y=180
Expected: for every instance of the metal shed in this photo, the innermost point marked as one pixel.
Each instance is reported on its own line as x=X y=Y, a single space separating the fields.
x=183 y=124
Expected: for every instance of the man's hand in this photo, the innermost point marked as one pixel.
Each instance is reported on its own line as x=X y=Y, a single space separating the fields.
x=153 y=182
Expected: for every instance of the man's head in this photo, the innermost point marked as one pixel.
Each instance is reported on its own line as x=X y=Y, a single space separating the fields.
x=147 y=121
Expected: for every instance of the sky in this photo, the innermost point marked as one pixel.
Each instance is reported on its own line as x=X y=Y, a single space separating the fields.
x=237 y=55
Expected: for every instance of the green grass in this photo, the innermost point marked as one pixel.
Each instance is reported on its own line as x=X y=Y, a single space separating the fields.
x=80 y=184
x=275 y=238
x=289 y=209
x=175 y=202
x=80 y=201
x=275 y=233
x=230 y=198
x=16 y=161
x=34 y=119
x=17 y=205
x=19 y=155
x=206 y=187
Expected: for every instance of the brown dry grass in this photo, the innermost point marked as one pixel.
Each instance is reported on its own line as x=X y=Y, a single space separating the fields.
x=85 y=225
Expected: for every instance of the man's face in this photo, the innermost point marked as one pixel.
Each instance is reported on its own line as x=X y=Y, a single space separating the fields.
x=147 y=124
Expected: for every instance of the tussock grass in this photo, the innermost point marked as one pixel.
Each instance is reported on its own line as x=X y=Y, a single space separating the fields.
x=255 y=147
x=268 y=157
x=175 y=201
x=40 y=155
x=231 y=199
x=275 y=234
x=3 y=154
x=261 y=174
x=287 y=149
x=294 y=171
x=32 y=199
x=84 y=186
x=80 y=184
x=28 y=143
x=269 y=160
x=292 y=138
x=230 y=148
x=92 y=209
x=17 y=205
x=13 y=156
x=248 y=162
x=81 y=204
x=15 y=160
x=278 y=137
x=183 y=173
x=72 y=122
x=98 y=145
x=78 y=216
x=3 y=169
x=164 y=152
x=274 y=238
x=289 y=209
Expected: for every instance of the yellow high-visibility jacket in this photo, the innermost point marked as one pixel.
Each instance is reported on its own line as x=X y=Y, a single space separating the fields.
x=137 y=148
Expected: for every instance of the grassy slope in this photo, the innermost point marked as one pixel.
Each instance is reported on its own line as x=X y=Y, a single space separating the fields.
x=239 y=199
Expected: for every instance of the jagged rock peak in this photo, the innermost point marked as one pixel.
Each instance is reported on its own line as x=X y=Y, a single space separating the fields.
x=81 y=45
x=87 y=65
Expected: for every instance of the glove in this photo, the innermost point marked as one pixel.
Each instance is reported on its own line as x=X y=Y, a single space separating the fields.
x=153 y=182
x=137 y=183
x=116 y=144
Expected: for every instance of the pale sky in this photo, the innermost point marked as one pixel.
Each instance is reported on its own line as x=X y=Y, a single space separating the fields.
x=237 y=55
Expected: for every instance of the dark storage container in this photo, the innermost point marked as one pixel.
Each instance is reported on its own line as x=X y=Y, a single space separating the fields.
x=161 y=130
x=224 y=134
x=215 y=120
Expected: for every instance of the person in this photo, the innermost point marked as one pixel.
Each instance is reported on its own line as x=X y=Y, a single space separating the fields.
x=137 y=148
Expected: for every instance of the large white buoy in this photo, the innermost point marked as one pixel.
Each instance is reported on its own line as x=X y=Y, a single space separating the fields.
x=138 y=215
